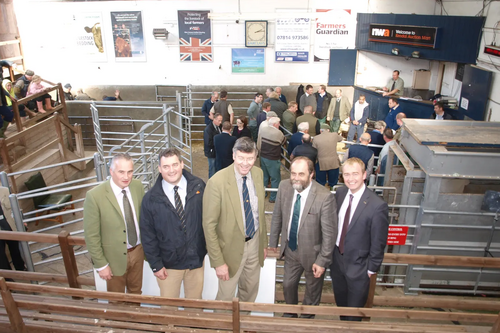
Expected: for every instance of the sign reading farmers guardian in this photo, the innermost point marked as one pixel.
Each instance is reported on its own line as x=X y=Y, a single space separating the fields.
x=403 y=34
x=195 y=35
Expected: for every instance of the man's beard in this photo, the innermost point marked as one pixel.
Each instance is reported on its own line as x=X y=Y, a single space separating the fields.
x=300 y=185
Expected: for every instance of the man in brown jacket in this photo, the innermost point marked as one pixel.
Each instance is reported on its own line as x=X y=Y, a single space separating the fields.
x=328 y=160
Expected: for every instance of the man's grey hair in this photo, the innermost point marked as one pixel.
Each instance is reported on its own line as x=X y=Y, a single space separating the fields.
x=244 y=145
x=273 y=121
x=303 y=126
x=380 y=125
x=308 y=109
x=117 y=157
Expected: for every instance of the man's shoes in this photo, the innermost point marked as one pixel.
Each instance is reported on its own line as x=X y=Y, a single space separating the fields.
x=272 y=200
x=290 y=315
x=307 y=316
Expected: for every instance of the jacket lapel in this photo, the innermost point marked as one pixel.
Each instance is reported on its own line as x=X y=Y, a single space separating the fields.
x=112 y=199
x=234 y=196
x=340 y=195
x=287 y=205
x=363 y=202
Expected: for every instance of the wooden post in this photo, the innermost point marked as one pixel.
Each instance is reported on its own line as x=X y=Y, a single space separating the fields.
x=16 y=321
x=62 y=148
x=17 y=117
x=371 y=294
x=496 y=326
x=65 y=113
x=69 y=259
x=236 y=315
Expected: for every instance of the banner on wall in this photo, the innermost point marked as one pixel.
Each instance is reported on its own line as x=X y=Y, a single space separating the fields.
x=293 y=37
x=128 y=36
x=89 y=41
x=195 y=35
x=248 y=61
x=335 y=30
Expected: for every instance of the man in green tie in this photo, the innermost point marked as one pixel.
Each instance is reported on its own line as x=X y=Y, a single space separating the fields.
x=111 y=214
x=304 y=215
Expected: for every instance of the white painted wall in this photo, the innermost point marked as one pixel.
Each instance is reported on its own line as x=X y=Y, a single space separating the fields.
x=48 y=50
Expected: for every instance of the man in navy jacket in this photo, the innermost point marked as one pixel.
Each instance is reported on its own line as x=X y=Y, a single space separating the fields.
x=171 y=228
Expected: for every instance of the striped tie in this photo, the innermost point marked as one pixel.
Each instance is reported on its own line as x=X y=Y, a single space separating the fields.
x=249 y=222
x=179 y=208
x=129 y=220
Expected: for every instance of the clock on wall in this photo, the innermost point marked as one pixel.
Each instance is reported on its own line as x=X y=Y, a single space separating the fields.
x=256 y=33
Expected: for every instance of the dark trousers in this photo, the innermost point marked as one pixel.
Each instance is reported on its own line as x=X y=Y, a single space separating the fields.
x=15 y=254
x=333 y=176
x=348 y=292
x=293 y=272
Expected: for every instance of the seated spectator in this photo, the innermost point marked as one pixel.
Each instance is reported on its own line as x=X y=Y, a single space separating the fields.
x=110 y=98
x=241 y=128
x=26 y=80
x=67 y=92
x=10 y=96
x=81 y=96
x=36 y=87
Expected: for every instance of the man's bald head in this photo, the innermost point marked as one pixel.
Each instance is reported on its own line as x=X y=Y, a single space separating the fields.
x=308 y=109
x=365 y=138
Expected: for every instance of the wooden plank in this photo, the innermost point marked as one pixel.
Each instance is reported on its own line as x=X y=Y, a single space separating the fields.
x=236 y=315
x=29 y=157
x=46 y=277
x=16 y=321
x=366 y=312
x=180 y=318
x=39 y=116
x=120 y=297
x=40 y=238
x=496 y=326
x=9 y=42
x=69 y=259
x=371 y=294
x=26 y=132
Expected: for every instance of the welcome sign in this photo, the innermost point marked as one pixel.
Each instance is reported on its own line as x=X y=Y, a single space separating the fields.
x=403 y=34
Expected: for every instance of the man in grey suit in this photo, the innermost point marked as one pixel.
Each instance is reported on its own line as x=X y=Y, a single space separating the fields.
x=362 y=236
x=304 y=215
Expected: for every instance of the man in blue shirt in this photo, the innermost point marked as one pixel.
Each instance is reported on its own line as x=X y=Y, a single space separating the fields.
x=207 y=105
x=394 y=109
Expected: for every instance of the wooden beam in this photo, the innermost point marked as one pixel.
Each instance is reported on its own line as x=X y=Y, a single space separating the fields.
x=20 y=135
x=9 y=42
x=459 y=261
x=496 y=326
x=46 y=277
x=40 y=238
x=69 y=259
x=236 y=315
x=371 y=294
x=16 y=321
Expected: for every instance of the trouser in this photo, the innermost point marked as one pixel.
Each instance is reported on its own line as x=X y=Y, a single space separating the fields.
x=358 y=129
x=333 y=176
x=334 y=125
x=291 y=279
x=271 y=169
x=132 y=279
x=193 y=283
x=15 y=253
x=348 y=292
x=254 y=130
x=246 y=278
x=211 y=167
x=322 y=120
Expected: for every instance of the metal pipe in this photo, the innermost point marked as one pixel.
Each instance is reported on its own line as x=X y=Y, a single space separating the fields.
x=48 y=166
x=49 y=216
x=58 y=185
x=18 y=218
x=460 y=291
x=58 y=258
x=98 y=167
x=4 y=179
x=457 y=226
x=59 y=225
x=52 y=207
x=22 y=197
x=431 y=211
x=449 y=248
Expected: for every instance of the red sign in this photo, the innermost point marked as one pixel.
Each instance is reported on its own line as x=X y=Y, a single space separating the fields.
x=492 y=50
x=397 y=235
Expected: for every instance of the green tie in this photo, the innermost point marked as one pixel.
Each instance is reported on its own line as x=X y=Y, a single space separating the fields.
x=129 y=220
x=292 y=239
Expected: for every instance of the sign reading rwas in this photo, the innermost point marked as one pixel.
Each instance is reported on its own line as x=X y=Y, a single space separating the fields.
x=403 y=34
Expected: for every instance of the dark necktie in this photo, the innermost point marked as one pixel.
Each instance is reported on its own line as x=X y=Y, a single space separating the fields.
x=345 y=225
x=249 y=222
x=292 y=238
x=179 y=208
x=129 y=220
x=393 y=85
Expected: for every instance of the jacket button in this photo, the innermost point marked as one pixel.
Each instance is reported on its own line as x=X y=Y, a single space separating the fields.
x=124 y=231
x=124 y=242
x=125 y=254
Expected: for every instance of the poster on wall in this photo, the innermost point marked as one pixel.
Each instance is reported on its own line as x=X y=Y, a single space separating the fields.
x=293 y=36
x=336 y=29
x=248 y=61
x=128 y=36
x=195 y=35
x=89 y=41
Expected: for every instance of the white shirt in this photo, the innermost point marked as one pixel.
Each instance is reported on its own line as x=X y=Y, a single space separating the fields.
x=439 y=117
x=169 y=191
x=117 y=191
x=303 y=197
x=385 y=150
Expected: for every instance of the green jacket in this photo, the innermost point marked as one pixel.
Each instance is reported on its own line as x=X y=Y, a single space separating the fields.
x=223 y=220
x=104 y=226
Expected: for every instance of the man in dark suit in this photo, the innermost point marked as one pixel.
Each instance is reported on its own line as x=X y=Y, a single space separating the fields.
x=363 y=224
x=377 y=138
x=305 y=217
x=209 y=133
x=266 y=107
x=305 y=149
x=296 y=138
x=439 y=113
x=281 y=96
x=223 y=144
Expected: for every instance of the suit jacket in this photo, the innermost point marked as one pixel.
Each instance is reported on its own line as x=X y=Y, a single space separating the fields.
x=446 y=116
x=295 y=140
x=306 y=150
x=318 y=224
x=261 y=117
x=326 y=144
x=283 y=99
x=208 y=140
x=103 y=223
x=344 y=109
x=366 y=236
x=223 y=223
x=223 y=144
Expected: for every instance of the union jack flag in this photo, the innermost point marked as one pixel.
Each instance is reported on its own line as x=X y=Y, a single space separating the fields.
x=193 y=50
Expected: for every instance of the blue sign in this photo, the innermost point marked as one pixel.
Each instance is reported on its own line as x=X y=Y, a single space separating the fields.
x=248 y=61
x=291 y=56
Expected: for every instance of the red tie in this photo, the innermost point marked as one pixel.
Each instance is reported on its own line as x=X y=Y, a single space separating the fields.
x=345 y=225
